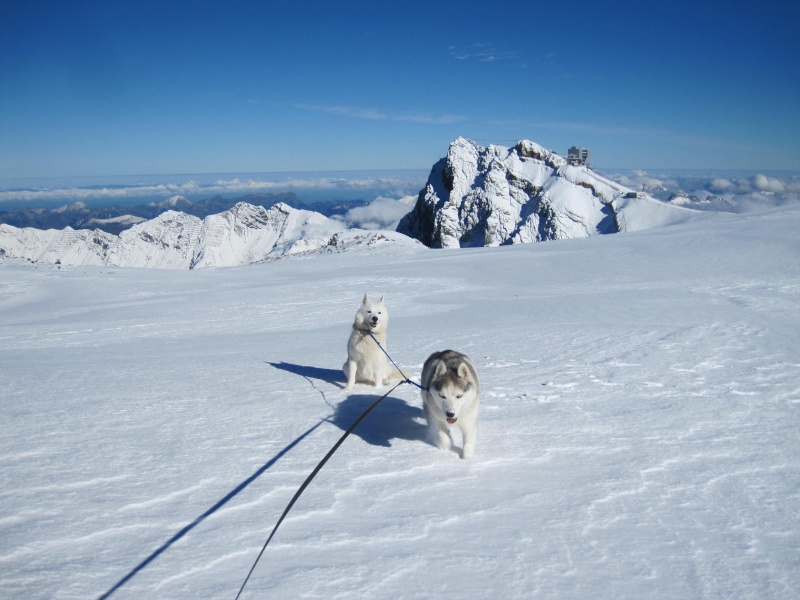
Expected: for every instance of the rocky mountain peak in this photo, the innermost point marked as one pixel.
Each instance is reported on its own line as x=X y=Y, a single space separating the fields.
x=491 y=196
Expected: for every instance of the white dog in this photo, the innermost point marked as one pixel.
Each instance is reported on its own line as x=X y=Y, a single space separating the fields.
x=451 y=398
x=366 y=362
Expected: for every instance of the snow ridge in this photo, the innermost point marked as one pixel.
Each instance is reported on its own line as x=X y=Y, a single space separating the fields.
x=494 y=196
x=245 y=234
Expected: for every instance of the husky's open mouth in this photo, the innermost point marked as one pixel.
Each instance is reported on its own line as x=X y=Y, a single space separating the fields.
x=452 y=420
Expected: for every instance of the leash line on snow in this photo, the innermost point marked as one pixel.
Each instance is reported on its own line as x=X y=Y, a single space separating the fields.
x=405 y=379
x=310 y=477
x=294 y=499
x=185 y=530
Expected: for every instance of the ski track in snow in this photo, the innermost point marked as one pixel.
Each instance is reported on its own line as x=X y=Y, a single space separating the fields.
x=638 y=427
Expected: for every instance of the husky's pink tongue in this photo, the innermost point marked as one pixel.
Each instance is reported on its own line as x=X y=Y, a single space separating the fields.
x=451 y=421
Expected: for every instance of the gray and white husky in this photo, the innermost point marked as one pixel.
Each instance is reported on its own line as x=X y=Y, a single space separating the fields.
x=366 y=362
x=451 y=399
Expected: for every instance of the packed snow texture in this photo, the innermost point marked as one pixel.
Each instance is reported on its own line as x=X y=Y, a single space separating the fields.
x=493 y=196
x=638 y=431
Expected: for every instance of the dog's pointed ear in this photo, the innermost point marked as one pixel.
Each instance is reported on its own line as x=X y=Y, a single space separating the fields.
x=381 y=300
x=441 y=369
x=463 y=371
x=365 y=300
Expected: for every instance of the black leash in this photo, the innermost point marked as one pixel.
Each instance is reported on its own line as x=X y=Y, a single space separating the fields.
x=244 y=484
x=208 y=513
x=310 y=477
x=399 y=370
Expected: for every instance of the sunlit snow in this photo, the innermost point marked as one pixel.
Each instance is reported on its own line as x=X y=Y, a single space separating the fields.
x=638 y=434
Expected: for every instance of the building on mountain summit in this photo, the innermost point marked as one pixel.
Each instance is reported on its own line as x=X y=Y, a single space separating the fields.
x=578 y=156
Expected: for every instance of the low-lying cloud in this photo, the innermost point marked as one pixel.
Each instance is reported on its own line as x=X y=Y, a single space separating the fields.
x=714 y=192
x=724 y=192
x=34 y=195
x=381 y=213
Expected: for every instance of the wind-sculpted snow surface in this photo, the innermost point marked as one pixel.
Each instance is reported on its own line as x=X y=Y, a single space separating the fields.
x=638 y=424
x=494 y=196
x=243 y=235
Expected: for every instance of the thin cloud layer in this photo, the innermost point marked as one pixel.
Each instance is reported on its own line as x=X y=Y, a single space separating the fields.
x=376 y=114
x=481 y=53
x=100 y=194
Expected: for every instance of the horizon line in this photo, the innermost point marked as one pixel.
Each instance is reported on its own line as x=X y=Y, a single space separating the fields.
x=381 y=170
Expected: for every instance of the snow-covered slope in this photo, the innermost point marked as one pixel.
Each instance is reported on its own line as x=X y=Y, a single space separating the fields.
x=242 y=235
x=638 y=434
x=493 y=196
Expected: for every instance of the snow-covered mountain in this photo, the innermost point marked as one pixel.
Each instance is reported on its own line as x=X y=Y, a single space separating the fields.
x=245 y=234
x=494 y=196
x=475 y=196
x=115 y=218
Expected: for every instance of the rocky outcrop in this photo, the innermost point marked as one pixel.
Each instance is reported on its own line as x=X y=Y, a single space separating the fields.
x=493 y=196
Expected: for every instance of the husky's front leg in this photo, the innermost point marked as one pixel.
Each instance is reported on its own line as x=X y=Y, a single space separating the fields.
x=438 y=433
x=469 y=430
x=350 y=372
x=443 y=439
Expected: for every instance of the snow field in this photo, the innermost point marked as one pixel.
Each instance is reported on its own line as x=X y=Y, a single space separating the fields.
x=638 y=429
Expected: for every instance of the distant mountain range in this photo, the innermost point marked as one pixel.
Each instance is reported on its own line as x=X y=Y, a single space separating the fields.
x=115 y=219
x=474 y=196
x=244 y=234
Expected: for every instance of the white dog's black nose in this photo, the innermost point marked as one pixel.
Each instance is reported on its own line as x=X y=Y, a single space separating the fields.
x=374 y=319
x=449 y=414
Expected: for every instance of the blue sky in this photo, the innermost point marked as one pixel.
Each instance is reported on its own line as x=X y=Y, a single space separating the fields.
x=116 y=88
